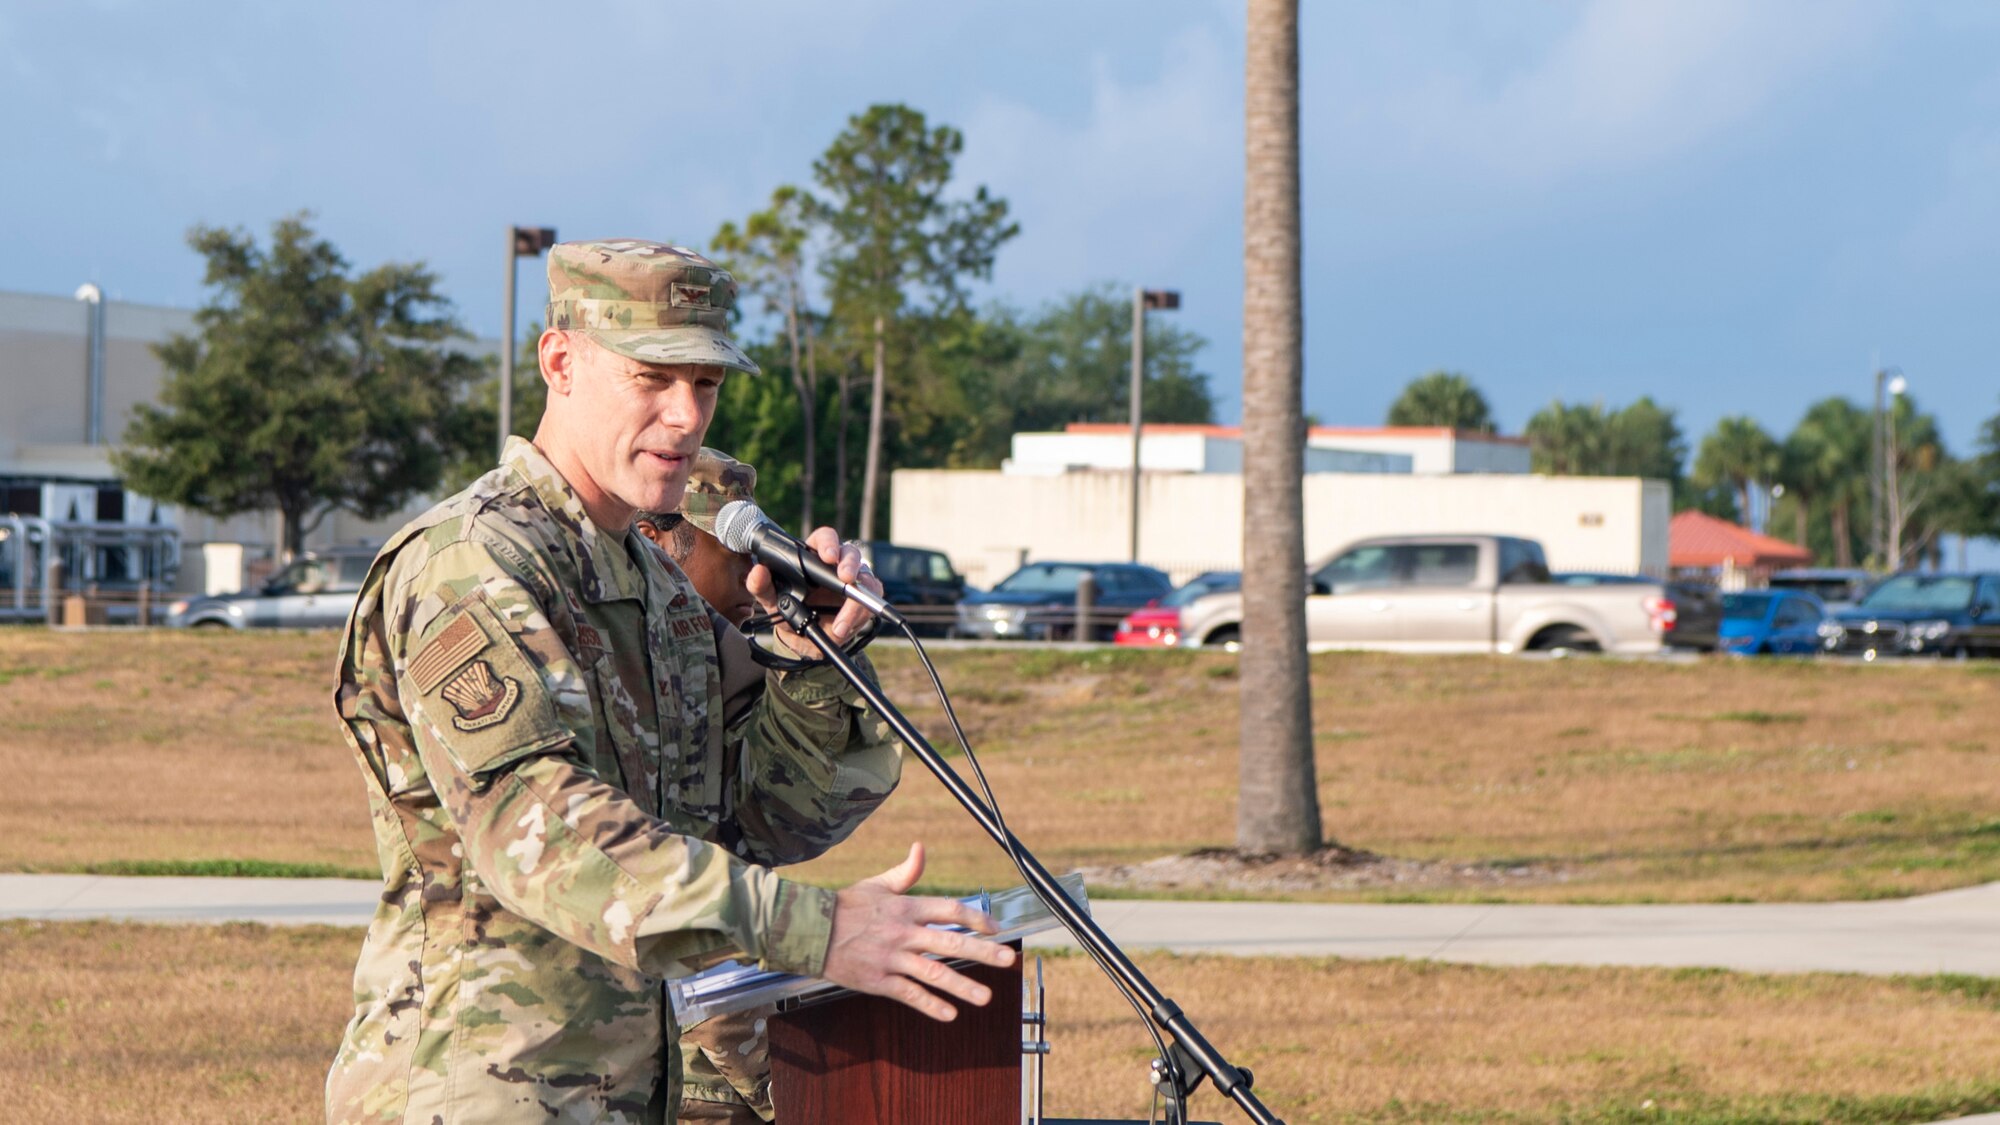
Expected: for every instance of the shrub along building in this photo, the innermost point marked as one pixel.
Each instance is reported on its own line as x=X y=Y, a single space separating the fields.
x=1068 y=496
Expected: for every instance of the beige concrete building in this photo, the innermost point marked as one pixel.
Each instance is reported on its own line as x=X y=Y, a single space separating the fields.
x=64 y=403
x=990 y=522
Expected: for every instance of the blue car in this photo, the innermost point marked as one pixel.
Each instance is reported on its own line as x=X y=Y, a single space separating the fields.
x=1771 y=622
x=1038 y=601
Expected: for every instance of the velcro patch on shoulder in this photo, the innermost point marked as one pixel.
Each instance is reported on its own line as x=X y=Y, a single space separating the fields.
x=483 y=693
x=455 y=644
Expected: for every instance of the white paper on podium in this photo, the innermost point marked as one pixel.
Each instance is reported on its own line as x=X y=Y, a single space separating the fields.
x=736 y=985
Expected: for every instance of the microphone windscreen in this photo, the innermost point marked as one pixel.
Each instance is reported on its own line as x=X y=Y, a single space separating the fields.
x=736 y=526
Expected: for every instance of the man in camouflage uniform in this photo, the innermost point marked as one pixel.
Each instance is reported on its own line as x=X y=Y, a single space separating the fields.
x=725 y=1059
x=536 y=699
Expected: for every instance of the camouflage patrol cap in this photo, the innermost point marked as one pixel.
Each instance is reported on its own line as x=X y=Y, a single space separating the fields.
x=646 y=301
x=717 y=479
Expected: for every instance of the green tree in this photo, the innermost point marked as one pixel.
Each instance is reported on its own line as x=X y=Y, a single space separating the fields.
x=1644 y=439
x=1277 y=801
x=768 y=254
x=475 y=423
x=1569 y=440
x=1442 y=398
x=305 y=388
x=893 y=235
x=1920 y=469
x=1737 y=454
x=1074 y=364
x=1824 y=466
x=1984 y=473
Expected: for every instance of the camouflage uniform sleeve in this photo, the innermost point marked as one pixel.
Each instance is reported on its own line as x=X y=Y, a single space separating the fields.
x=497 y=704
x=810 y=759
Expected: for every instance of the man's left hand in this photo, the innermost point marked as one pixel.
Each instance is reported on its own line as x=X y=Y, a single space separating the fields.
x=845 y=559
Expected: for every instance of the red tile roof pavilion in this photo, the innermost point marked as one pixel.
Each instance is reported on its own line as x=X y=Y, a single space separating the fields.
x=1697 y=539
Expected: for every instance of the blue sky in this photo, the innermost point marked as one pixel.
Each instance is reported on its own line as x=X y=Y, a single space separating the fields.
x=1729 y=206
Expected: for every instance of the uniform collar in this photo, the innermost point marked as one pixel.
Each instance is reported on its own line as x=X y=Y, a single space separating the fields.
x=605 y=566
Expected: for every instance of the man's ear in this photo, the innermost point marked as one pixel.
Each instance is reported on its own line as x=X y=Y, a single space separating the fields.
x=557 y=351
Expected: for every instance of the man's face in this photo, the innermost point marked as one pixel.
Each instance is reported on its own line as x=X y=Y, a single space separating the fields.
x=721 y=576
x=637 y=426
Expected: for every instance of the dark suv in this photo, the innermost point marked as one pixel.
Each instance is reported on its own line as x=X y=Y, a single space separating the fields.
x=1913 y=614
x=919 y=582
x=1038 y=601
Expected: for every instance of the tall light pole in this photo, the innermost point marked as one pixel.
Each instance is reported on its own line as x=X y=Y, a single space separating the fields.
x=1891 y=485
x=522 y=242
x=1878 y=496
x=93 y=395
x=1142 y=299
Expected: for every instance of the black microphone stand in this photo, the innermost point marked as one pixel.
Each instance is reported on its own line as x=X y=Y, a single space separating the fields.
x=1194 y=1055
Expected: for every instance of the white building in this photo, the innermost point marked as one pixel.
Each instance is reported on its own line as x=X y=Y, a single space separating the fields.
x=1171 y=449
x=1337 y=449
x=1433 y=449
x=991 y=522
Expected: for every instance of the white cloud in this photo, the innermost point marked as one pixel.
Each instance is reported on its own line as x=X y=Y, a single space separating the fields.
x=1125 y=188
x=1630 y=84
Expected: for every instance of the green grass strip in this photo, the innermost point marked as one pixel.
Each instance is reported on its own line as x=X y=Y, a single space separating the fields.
x=223 y=868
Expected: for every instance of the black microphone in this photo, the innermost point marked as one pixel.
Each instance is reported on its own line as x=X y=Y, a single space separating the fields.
x=743 y=527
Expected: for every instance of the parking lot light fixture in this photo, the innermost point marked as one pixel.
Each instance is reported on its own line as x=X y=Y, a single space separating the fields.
x=1142 y=299
x=522 y=242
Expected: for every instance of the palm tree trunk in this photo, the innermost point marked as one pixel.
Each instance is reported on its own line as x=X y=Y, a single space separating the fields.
x=1277 y=802
x=1804 y=512
x=1843 y=536
x=873 y=466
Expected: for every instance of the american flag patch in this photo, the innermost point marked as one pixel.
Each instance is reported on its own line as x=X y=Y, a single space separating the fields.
x=460 y=641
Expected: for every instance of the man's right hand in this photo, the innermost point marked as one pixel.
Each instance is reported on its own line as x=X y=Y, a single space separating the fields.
x=880 y=936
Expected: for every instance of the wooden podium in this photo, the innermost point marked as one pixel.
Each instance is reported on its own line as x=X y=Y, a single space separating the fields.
x=864 y=1060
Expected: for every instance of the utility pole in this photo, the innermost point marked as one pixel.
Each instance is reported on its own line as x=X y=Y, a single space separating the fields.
x=1142 y=299
x=1892 y=485
x=522 y=242
x=1876 y=539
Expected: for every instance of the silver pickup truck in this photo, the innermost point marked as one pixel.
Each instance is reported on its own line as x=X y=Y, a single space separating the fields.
x=1453 y=593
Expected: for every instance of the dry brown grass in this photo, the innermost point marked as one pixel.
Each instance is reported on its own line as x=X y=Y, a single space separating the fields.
x=115 y=1023
x=124 y=746
x=1713 y=781
x=129 y=1023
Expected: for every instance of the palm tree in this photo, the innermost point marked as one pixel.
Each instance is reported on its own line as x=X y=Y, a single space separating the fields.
x=1737 y=453
x=1566 y=440
x=1277 y=801
x=1825 y=461
x=1442 y=398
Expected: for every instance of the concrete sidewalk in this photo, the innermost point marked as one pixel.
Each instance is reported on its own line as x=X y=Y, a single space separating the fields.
x=1953 y=932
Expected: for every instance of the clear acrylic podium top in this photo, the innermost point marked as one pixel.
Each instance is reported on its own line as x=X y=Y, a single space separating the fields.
x=734 y=986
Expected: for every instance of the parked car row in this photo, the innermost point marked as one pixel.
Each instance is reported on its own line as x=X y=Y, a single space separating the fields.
x=1429 y=593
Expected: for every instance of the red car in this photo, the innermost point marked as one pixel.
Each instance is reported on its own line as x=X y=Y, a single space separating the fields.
x=1158 y=625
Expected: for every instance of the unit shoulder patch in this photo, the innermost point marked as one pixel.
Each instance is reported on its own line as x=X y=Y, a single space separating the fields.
x=481 y=698
x=483 y=691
